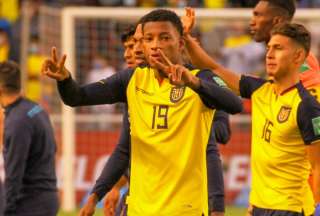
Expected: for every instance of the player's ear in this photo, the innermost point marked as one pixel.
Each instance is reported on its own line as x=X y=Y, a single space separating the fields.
x=181 y=43
x=277 y=19
x=300 y=56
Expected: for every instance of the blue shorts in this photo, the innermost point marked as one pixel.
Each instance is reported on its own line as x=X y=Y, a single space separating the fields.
x=271 y=212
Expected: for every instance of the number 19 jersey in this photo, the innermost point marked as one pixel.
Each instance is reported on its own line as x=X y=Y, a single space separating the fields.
x=170 y=129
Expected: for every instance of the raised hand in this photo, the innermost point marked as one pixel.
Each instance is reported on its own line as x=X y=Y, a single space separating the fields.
x=55 y=69
x=177 y=74
x=188 y=20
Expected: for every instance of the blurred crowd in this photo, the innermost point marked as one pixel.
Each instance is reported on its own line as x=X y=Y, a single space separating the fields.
x=175 y=3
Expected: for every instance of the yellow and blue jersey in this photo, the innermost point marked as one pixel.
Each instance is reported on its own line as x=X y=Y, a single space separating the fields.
x=282 y=126
x=166 y=151
x=170 y=128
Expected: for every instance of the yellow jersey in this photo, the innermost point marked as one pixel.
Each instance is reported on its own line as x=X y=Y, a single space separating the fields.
x=281 y=127
x=167 y=150
x=169 y=128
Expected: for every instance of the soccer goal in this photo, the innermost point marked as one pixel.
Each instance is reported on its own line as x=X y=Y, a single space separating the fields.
x=87 y=135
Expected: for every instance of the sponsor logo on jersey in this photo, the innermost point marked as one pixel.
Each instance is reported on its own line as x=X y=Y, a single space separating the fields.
x=143 y=91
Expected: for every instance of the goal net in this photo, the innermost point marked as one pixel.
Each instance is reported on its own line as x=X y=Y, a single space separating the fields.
x=91 y=39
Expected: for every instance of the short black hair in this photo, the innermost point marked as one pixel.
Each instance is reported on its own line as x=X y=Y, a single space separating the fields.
x=10 y=77
x=163 y=15
x=286 y=8
x=296 y=32
x=129 y=32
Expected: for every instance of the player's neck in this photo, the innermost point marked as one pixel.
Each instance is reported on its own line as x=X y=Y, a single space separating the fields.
x=286 y=82
x=159 y=76
x=8 y=99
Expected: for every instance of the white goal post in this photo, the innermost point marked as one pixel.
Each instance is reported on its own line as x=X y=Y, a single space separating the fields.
x=68 y=15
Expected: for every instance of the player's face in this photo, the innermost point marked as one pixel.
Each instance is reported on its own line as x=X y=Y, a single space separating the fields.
x=129 y=52
x=261 y=22
x=281 y=57
x=164 y=36
x=138 y=46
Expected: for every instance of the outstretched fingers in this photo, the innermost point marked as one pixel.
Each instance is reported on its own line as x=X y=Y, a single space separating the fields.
x=165 y=58
x=62 y=62
x=54 y=56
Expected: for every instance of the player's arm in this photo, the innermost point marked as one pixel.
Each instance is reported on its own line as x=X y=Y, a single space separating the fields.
x=221 y=127
x=201 y=59
x=308 y=119
x=112 y=198
x=215 y=179
x=116 y=166
x=313 y=152
x=210 y=88
x=215 y=94
x=16 y=150
x=106 y=91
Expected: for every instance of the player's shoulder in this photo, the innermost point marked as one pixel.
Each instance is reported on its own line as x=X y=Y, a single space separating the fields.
x=314 y=90
x=309 y=97
x=30 y=109
x=21 y=115
x=197 y=71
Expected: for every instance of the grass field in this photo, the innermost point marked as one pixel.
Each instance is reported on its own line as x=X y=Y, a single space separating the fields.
x=230 y=211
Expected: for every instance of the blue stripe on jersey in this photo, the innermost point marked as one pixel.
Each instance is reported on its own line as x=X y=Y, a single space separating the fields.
x=35 y=110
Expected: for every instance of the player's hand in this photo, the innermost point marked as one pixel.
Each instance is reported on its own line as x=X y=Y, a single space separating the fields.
x=54 y=68
x=90 y=206
x=177 y=74
x=111 y=201
x=249 y=210
x=317 y=210
x=188 y=20
x=217 y=214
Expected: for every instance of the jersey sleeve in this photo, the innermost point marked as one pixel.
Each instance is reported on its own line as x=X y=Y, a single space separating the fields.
x=215 y=94
x=248 y=85
x=117 y=164
x=215 y=177
x=308 y=116
x=221 y=127
x=106 y=91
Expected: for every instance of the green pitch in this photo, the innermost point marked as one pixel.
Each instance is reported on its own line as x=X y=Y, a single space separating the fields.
x=230 y=211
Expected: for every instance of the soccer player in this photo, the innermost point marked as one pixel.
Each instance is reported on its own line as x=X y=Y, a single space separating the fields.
x=128 y=43
x=269 y=13
x=29 y=151
x=266 y=14
x=112 y=204
x=170 y=119
x=220 y=132
x=285 y=129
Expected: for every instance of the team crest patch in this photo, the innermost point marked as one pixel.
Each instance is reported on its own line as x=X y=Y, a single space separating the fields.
x=176 y=94
x=283 y=114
